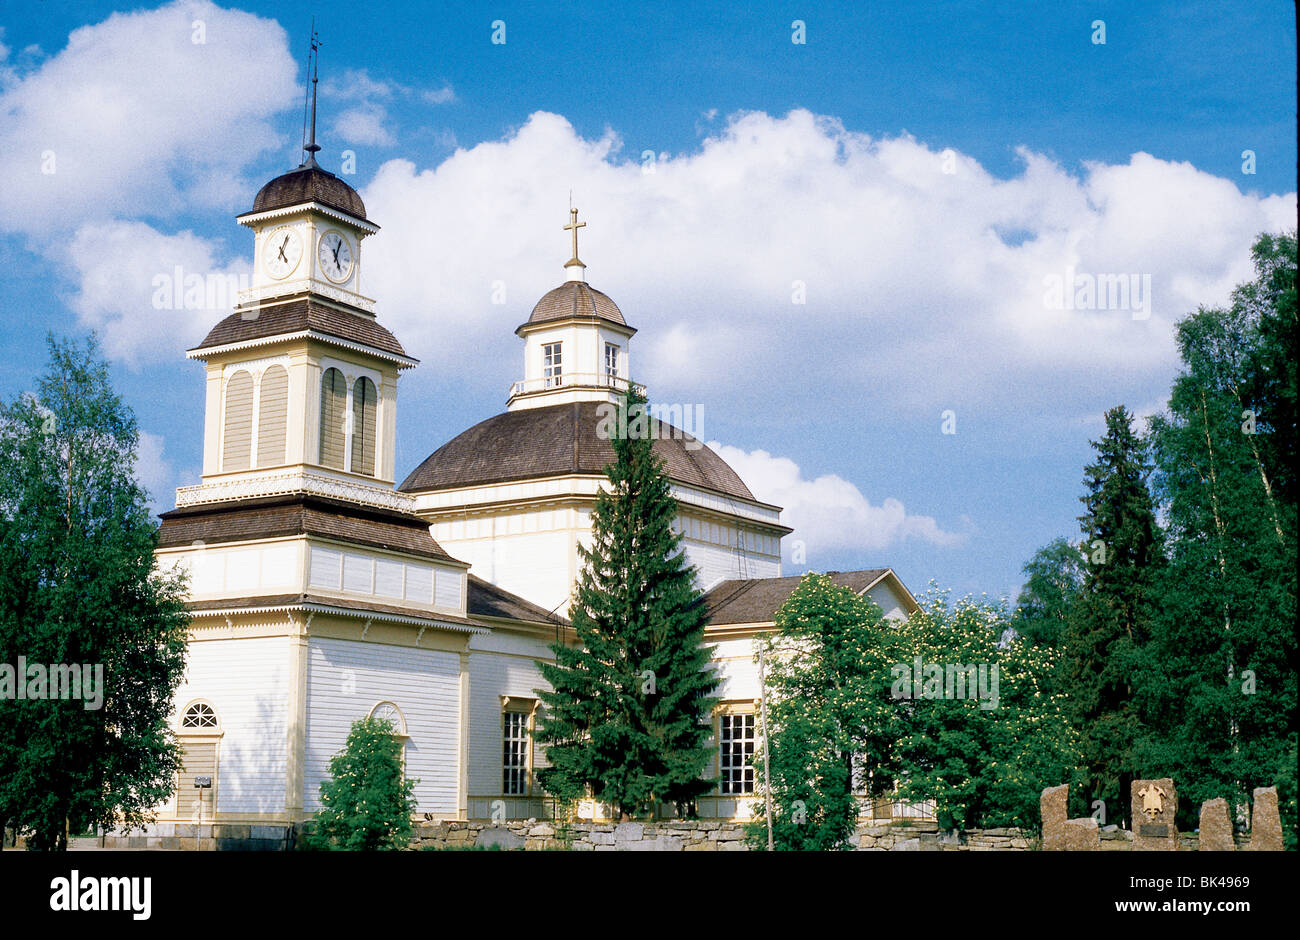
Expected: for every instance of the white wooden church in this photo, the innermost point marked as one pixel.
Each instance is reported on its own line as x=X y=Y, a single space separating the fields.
x=323 y=591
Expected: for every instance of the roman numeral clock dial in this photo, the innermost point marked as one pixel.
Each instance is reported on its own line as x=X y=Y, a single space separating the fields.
x=282 y=252
x=335 y=256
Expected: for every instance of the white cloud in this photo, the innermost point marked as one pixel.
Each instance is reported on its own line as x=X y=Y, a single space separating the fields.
x=829 y=513
x=149 y=294
x=364 y=124
x=152 y=470
x=140 y=120
x=912 y=296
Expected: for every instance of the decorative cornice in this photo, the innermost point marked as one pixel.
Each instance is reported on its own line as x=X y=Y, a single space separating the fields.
x=207 y=352
x=306 y=284
x=252 y=218
x=294 y=481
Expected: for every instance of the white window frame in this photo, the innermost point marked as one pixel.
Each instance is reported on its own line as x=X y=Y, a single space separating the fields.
x=611 y=363
x=728 y=719
x=553 y=364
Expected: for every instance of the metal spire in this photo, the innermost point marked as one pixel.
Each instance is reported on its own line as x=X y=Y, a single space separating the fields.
x=314 y=62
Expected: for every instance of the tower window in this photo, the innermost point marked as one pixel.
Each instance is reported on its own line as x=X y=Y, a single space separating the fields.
x=237 y=434
x=611 y=363
x=364 y=400
x=551 y=365
x=333 y=411
x=272 y=416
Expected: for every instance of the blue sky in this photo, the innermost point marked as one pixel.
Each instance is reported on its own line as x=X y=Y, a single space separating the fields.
x=923 y=170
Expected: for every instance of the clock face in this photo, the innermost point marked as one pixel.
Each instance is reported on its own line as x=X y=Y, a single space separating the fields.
x=335 y=256
x=282 y=252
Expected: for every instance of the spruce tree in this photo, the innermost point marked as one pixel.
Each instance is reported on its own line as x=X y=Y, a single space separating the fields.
x=628 y=712
x=1109 y=625
x=79 y=587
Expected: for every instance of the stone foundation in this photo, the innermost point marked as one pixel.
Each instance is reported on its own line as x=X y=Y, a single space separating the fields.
x=221 y=837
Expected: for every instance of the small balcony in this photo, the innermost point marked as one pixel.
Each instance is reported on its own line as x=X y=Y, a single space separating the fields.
x=570 y=380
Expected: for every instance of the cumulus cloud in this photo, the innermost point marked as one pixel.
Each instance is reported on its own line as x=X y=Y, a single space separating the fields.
x=829 y=513
x=149 y=294
x=366 y=121
x=152 y=470
x=791 y=247
x=148 y=113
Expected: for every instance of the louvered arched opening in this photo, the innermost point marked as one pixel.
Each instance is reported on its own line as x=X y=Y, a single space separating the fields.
x=333 y=411
x=237 y=435
x=364 y=402
x=272 y=416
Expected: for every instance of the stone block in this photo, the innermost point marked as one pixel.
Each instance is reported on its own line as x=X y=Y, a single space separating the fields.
x=907 y=845
x=703 y=845
x=1265 y=823
x=1216 y=827
x=601 y=838
x=731 y=846
x=1153 y=805
x=499 y=837
x=542 y=829
x=1081 y=835
x=1054 y=806
x=628 y=832
x=260 y=832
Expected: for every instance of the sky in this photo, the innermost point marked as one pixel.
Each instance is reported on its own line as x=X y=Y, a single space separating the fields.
x=851 y=251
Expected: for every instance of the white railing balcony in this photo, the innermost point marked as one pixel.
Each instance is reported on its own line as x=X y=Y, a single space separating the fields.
x=572 y=380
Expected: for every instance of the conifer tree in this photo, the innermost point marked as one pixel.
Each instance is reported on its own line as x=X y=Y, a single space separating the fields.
x=1110 y=622
x=628 y=713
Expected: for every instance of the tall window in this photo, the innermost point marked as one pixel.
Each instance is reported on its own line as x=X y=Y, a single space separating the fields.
x=735 y=750
x=333 y=407
x=514 y=758
x=551 y=366
x=611 y=364
x=272 y=416
x=237 y=435
x=363 y=426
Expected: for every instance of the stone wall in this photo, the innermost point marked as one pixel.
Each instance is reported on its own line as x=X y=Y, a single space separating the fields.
x=188 y=837
x=698 y=836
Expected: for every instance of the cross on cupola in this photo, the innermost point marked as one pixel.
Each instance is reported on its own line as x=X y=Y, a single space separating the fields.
x=573 y=266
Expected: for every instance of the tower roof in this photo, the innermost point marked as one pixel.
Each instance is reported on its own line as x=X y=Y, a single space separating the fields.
x=575 y=299
x=309 y=183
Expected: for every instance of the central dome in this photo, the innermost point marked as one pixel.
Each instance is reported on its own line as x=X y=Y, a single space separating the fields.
x=555 y=441
x=309 y=183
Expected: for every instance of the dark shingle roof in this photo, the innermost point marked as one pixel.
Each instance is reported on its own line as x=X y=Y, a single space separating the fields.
x=309 y=184
x=575 y=299
x=297 y=514
x=294 y=317
x=557 y=440
x=755 y=600
x=487 y=600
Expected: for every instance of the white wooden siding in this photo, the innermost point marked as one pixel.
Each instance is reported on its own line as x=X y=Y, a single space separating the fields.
x=346 y=679
x=492 y=675
x=245 y=680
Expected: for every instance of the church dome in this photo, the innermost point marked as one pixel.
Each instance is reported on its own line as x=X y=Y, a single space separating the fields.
x=309 y=183
x=575 y=299
x=556 y=441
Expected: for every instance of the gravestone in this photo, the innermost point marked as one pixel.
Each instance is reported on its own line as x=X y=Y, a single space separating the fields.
x=1054 y=806
x=1216 y=827
x=1265 y=824
x=1152 y=807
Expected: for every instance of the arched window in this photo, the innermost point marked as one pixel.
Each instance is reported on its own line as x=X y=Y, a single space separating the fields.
x=198 y=716
x=392 y=714
x=272 y=416
x=333 y=408
x=237 y=437
x=364 y=400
